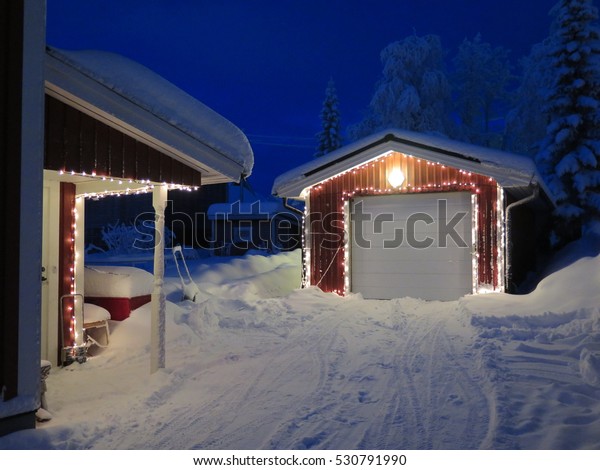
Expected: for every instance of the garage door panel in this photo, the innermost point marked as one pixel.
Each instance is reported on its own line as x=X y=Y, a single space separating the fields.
x=435 y=272
x=366 y=258
x=419 y=241
x=414 y=267
x=419 y=280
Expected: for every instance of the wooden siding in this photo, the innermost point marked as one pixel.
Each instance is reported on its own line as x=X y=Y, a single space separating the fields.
x=11 y=66
x=78 y=142
x=326 y=217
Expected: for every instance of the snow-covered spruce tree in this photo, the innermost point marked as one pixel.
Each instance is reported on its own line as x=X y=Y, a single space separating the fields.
x=329 y=137
x=570 y=153
x=482 y=74
x=413 y=93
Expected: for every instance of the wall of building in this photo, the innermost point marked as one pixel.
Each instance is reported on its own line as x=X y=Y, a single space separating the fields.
x=78 y=142
x=22 y=46
x=325 y=221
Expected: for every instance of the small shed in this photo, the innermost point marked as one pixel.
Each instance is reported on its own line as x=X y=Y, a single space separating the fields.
x=401 y=213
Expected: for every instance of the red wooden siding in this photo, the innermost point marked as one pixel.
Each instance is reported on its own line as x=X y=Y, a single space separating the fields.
x=66 y=254
x=326 y=217
x=77 y=142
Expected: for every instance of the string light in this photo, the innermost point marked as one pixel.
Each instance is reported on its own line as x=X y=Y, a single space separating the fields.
x=306 y=241
x=501 y=234
x=145 y=185
x=346 y=252
x=474 y=242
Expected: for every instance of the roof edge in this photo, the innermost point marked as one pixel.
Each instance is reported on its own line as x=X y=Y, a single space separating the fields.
x=510 y=170
x=77 y=88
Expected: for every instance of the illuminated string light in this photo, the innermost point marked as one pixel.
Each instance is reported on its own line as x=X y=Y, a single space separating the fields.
x=306 y=243
x=145 y=185
x=346 y=252
x=474 y=243
x=501 y=244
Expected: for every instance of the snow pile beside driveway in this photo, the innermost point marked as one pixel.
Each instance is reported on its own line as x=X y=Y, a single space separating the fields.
x=542 y=352
x=262 y=364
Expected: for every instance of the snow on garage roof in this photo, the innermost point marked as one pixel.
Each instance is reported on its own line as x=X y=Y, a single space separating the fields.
x=119 y=91
x=509 y=170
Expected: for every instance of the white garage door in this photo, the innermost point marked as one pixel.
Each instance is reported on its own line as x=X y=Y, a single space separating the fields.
x=416 y=245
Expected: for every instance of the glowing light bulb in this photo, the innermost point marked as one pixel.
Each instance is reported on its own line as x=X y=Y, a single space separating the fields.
x=396 y=177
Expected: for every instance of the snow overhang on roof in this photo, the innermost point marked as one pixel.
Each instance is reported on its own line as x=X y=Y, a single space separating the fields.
x=509 y=170
x=140 y=103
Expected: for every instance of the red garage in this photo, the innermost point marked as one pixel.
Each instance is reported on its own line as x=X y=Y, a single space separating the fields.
x=406 y=214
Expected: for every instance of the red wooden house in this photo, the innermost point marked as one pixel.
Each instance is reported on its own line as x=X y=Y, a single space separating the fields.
x=406 y=214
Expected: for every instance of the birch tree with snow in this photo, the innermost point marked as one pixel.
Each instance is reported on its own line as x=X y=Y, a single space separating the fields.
x=482 y=74
x=413 y=93
x=570 y=153
x=329 y=137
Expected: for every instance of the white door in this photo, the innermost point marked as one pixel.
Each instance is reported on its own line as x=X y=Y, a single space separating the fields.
x=412 y=245
x=44 y=276
x=49 y=275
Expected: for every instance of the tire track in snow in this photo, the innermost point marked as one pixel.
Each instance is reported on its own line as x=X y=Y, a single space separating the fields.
x=262 y=388
x=438 y=398
x=382 y=394
x=402 y=424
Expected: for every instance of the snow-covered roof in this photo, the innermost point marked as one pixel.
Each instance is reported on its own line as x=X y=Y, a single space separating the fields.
x=508 y=169
x=139 y=102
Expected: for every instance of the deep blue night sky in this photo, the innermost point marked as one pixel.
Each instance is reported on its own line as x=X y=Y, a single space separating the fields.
x=264 y=64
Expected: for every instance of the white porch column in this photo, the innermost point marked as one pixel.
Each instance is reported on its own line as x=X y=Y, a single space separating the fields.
x=157 y=331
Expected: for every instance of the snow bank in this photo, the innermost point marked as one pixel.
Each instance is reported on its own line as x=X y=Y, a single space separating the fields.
x=567 y=291
x=542 y=351
x=240 y=284
x=253 y=276
x=566 y=304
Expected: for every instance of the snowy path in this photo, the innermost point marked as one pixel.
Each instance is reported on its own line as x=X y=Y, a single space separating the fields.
x=354 y=375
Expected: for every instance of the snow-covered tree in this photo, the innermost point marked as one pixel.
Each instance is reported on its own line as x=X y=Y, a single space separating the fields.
x=329 y=137
x=482 y=74
x=570 y=154
x=526 y=122
x=413 y=93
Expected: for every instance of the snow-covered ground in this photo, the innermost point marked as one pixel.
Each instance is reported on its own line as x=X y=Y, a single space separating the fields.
x=264 y=365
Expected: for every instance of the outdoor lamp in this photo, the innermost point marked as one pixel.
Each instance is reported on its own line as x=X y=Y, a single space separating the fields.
x=396 y=177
